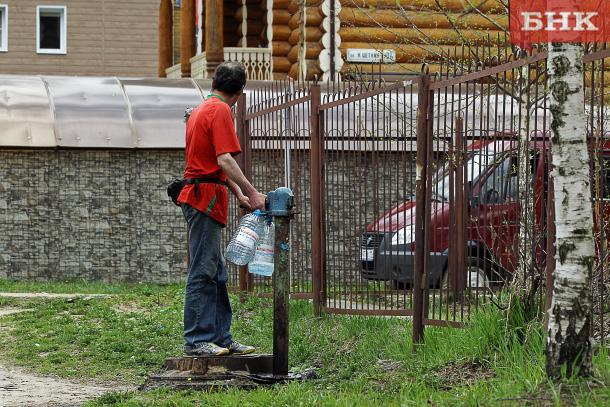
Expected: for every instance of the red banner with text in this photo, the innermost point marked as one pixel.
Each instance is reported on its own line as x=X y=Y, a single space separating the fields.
x=540 y=21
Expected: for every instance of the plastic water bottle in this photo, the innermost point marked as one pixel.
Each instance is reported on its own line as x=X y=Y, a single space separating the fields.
x=242 y=246
x=263 y=258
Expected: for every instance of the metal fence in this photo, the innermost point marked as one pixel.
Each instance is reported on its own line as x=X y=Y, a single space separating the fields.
x=458 y=160
x=596 y=60
x=275 y=132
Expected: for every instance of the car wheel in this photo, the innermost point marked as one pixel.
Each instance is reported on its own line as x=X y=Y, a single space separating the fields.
x=478 y=274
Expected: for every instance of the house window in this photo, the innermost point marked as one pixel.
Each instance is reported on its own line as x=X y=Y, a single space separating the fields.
x=51 y=29
x=3 y=28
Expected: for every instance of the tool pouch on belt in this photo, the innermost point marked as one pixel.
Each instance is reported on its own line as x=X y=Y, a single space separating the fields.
x=175 y=187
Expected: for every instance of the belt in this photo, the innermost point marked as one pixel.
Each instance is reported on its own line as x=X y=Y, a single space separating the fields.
x=198 y=181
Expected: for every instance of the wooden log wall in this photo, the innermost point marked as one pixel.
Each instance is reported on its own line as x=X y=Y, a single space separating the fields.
x=305 y=51
x=412 y=26
x=301 y=40
x=251 y=18
x=484 y=6
x=231 y=29
x=294 y=32
x=298 y=30
x=280 y=14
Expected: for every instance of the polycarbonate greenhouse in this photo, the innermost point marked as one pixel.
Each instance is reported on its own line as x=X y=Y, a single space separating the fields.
x=92 y=112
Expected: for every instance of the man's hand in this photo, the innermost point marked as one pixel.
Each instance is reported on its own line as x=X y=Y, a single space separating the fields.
x=244 y=201
x=257 y=201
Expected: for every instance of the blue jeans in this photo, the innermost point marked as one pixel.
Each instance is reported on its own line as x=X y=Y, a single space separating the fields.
x=207 y=311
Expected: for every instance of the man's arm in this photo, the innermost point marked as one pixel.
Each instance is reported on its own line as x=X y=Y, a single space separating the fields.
x=234 y=188
x=227 y=163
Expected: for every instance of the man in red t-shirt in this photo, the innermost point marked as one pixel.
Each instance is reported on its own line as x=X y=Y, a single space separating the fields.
x=211 y=144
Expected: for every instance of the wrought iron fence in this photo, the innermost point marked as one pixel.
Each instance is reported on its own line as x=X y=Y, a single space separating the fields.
x=426 y=197
x=275 y=130
x=596 y=61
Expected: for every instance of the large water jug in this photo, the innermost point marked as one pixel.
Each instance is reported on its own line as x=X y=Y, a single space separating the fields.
x=242 y=246
x=262 y=263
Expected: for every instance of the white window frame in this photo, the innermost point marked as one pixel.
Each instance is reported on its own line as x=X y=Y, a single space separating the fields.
x=63 y=30
x=4 y=28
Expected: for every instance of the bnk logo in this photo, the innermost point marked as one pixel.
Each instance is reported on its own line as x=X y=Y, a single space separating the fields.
x=539 y=21
x=580 y=21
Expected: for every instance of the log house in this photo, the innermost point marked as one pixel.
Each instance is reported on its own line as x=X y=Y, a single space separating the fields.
x=279 y=38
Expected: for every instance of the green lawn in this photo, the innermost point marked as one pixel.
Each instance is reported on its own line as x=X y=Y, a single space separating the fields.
x=360 y=361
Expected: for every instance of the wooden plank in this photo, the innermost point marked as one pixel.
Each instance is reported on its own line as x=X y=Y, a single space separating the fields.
x=131 y=28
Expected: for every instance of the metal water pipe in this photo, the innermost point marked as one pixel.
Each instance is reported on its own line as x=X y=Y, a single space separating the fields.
x=281 y=202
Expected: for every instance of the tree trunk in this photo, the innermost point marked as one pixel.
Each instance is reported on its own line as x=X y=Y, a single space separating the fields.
x=569 y=341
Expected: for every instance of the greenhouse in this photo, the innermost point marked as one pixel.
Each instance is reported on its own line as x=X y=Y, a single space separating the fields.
x=95 y=112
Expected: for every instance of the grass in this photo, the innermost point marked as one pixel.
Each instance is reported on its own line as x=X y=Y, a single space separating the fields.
x=77 y=285
x=360 y=361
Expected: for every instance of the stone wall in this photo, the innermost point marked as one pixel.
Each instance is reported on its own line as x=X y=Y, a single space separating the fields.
x=105 y=215
x=97 y=215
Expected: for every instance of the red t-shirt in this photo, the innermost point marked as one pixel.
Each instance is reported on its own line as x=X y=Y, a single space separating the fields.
x=209 y=132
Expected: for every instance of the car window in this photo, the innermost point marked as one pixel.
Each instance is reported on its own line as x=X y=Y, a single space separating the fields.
x=502 y=184
x=475 y=166
x=493 y=189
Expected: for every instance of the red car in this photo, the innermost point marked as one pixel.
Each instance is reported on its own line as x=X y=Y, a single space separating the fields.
x=491 y=222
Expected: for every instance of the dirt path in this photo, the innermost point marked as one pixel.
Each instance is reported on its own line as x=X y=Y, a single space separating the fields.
x=22 y=389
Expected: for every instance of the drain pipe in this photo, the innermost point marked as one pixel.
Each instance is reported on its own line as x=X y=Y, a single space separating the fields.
x=281 y=202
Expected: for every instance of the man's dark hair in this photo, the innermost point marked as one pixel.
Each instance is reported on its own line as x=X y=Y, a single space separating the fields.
x=229 y=77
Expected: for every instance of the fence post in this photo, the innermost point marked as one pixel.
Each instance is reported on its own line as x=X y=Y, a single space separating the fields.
x=550 y=243
x=316 y=199
x=242 y=161
x=428 y=207
x=420 y=207
x=281 y=202
x=458 y=279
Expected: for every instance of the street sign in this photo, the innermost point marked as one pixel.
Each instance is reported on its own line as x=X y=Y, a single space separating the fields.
x=387 y=56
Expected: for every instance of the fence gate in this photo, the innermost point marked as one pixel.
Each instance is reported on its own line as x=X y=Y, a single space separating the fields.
x=368 y=143
x=486 y=208
x=273 y=127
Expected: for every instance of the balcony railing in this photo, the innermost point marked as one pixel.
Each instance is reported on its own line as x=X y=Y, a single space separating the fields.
x=257 y=62
x=173 y=72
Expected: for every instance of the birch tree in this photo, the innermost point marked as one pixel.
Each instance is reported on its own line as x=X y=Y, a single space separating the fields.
x=570 y=318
